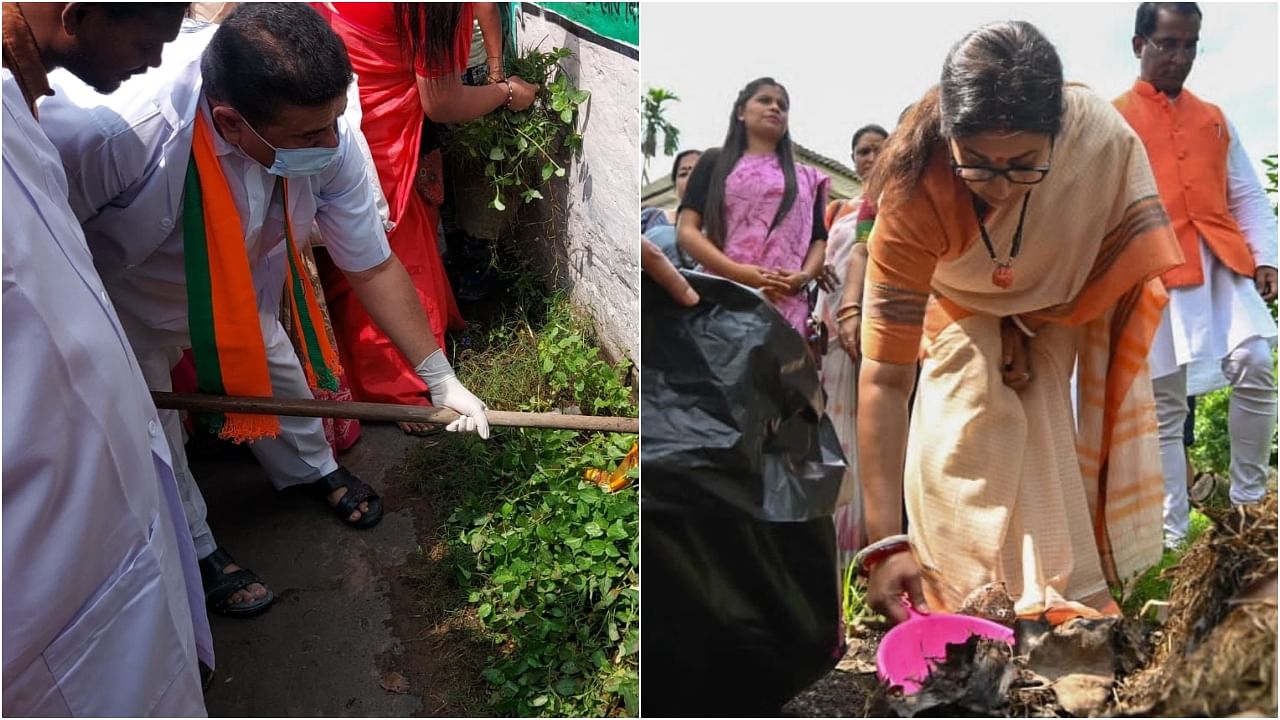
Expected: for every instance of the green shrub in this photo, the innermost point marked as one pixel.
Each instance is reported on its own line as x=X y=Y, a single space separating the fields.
x=547 y=560
x=519 y=151
x=1212 y=449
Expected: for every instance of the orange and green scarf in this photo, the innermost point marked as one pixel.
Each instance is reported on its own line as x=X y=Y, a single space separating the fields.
x=226 y=337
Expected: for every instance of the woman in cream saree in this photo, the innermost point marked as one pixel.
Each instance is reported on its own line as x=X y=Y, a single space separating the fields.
x=1019 y=238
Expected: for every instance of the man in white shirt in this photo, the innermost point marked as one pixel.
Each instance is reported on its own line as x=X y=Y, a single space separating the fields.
x=103 y=610
x=1216 y=329
x=271 y=83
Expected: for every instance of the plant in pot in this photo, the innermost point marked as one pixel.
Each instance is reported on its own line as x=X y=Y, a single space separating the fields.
x=506 y=157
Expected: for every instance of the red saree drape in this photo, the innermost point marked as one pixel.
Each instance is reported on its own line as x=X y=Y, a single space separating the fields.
x=392 y=124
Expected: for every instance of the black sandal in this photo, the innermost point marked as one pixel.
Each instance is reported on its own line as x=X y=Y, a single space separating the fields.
x=357 y=492
x=219 y=586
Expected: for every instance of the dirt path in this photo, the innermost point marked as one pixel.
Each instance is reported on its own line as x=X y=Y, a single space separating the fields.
x=343 y=620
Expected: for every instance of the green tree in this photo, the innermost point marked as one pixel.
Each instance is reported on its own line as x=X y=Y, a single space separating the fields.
x=654 y=123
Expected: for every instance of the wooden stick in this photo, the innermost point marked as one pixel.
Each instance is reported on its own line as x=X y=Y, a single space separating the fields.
x=387 y=412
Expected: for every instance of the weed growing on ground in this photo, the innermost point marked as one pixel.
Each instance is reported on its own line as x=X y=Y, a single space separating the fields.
x=1151 y=585
x=853 y=599
x=546 y=562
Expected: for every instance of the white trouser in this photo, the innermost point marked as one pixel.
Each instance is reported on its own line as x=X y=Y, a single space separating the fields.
x=1251 y=423
x=299 y=455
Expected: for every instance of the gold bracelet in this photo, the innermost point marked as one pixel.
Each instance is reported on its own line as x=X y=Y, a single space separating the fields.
x=847 y=314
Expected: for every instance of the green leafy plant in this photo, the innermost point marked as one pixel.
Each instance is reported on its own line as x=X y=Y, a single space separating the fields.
x=548 y=562
x=519 y=152
x=1212 y=449
x=555 y=578
x=655 y=122
x=574 y=370
x=853 y=599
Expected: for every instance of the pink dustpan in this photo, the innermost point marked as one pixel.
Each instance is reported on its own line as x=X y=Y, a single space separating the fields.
x=909 y=651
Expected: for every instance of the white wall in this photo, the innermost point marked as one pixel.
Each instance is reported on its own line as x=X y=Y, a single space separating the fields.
x=598 y=236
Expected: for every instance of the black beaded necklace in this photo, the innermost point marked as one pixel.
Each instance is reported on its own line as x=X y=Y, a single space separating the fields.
x=1002 y=276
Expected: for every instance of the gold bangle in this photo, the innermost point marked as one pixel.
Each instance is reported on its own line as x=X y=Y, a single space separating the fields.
x=847 y=314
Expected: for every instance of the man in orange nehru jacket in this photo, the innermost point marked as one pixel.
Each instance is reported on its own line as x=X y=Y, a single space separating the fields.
x=1216 y=329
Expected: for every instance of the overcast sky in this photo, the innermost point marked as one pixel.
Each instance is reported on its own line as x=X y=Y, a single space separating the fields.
x=848 y=64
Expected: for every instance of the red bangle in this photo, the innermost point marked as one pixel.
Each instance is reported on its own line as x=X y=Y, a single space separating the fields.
x=871 y=555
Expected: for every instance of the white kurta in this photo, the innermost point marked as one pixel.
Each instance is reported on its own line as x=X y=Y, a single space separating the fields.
x=1203 y=323
x=126 y=157
x=103 y=610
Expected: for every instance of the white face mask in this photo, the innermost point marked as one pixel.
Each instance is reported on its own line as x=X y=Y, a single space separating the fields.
x=297 y=162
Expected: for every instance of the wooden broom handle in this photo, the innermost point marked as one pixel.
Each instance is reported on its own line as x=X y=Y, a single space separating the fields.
x=387 y=412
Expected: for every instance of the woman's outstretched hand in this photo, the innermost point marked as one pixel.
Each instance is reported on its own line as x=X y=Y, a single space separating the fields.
x=890 y=578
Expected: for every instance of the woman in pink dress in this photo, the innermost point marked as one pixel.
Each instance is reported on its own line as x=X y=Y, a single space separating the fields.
x=752 y=215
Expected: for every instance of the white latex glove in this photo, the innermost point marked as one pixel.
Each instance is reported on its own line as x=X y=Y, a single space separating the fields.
x=448 y=391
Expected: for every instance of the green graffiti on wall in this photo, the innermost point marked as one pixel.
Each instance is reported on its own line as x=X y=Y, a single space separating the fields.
x=617 y=20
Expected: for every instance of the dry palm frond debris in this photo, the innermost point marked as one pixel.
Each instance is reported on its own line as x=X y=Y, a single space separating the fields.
x=1217 y=653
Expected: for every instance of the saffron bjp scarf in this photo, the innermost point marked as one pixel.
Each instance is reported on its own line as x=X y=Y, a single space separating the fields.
x=226 y=334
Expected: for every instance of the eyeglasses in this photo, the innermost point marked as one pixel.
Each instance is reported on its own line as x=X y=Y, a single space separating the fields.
x=1016 y=175
x=1171 y=47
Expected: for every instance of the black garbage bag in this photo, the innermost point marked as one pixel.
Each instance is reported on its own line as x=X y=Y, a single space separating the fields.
x=740 y=469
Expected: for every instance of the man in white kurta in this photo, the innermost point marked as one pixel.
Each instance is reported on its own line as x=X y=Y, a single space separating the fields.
x=103 y=611
x=126 y=158
x=1217 y=330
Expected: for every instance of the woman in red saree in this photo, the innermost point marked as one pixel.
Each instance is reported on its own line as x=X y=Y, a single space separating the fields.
x=408 y=59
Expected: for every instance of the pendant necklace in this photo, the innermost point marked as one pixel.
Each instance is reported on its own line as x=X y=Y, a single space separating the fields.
x=1002 y=276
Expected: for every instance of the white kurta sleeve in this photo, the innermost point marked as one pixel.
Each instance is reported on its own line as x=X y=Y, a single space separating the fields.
x=1248 y=203
x=346 y=211
x=355 y=116
x=104 y=155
